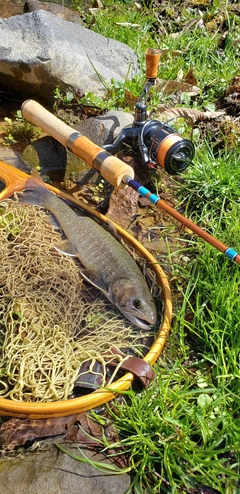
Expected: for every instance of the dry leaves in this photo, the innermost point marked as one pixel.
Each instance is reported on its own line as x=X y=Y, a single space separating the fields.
x=16 y=432
x=170 y=87
x=194 y=115
x=234 y=87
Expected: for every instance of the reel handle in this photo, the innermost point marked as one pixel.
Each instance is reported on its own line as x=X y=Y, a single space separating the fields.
x=152 y=57
x=111 y=168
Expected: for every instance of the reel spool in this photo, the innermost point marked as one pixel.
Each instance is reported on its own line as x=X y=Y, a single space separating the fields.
x=161 y=145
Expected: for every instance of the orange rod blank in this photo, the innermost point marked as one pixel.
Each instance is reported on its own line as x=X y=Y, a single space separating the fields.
x=199 y=231
x=154 y=199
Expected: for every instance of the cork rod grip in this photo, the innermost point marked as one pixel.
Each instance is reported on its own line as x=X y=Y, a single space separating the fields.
x=39 y=116
x=110 y=167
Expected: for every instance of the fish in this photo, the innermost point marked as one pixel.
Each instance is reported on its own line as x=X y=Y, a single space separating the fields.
x=107 y=265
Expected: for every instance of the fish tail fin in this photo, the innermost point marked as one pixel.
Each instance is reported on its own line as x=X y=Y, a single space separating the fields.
x=35 y=181
x=35 y=190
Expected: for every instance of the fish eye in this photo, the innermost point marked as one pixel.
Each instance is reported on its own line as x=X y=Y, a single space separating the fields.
x=137 y=303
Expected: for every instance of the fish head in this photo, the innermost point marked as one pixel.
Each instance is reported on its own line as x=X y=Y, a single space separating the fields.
x=134 y=300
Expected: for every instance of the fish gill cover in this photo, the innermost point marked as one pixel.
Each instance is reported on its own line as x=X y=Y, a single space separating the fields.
x=51 y=323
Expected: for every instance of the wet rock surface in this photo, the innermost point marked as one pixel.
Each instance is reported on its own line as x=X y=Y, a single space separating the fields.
x=47 y=470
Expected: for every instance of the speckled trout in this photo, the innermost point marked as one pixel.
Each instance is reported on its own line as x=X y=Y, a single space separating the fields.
x=107 y=264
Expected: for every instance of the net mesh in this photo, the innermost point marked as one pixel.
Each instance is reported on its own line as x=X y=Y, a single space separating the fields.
x=51 y=322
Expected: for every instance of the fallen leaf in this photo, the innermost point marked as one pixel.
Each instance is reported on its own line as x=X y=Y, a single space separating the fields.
x=195 y=115
x=180 y=75
x=129 y=99
x=190 y=78
x=123 y=206
x=170 y=87
x=16 y=432
x=98 y=4
x=234 y=87
x=79 y=427
x=168 y=52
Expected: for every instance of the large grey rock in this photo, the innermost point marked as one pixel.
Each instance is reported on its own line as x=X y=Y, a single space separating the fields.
x=39 y=51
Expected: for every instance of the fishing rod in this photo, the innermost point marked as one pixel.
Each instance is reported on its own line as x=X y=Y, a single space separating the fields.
x=118 y=173
x=157 y=145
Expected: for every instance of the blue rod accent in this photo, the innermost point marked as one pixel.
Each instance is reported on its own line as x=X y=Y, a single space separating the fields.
x=135 y=185
x=143 y=191
x=146 y=193
x=230 y=253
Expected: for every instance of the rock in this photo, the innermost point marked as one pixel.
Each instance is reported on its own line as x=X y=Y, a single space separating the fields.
x=50 y=155
x=46 y=153
x=13 y=158
x=104 y=128
x=39 y=51
x=54 y=8
x=53 y=472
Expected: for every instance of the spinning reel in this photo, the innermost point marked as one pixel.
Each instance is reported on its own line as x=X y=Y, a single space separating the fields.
x=157 y=143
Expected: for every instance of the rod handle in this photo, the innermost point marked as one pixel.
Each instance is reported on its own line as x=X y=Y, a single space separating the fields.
x=111 y=168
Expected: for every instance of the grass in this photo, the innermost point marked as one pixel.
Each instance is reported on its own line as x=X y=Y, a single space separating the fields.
x=18 y=130
x=182 y=434
x=211 y=186
x=196 y=30
x=205 y=34
x=178 y=432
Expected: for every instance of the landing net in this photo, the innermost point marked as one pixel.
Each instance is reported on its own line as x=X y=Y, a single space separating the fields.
x=51 y=322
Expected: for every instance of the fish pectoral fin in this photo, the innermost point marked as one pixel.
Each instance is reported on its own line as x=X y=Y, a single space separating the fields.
x=66 y=247
x=94 y=280
x=52 y=221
